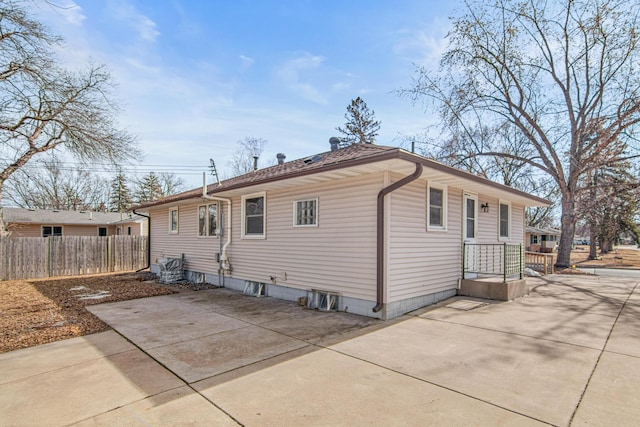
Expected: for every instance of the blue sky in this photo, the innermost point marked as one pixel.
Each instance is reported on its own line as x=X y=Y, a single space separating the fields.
x=194 y=77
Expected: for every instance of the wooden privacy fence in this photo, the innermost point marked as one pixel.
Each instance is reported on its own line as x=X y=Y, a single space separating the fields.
x=36 y=257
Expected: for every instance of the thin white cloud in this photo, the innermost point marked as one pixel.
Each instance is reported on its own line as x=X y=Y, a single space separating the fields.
x=70 y=11
x=141 y=24
x=246 y=62
x=293 y=72
x=422 y=47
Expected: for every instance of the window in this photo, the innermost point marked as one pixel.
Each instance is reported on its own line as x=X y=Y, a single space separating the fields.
x=102 y=231
x=207 y=219
x=471 y=213
x=128 y=231
x=305 y=213
x=534 y=239
x=173 y=221
x=504 y=220
x=254 y=216
x=51 y=230
x=436 y=207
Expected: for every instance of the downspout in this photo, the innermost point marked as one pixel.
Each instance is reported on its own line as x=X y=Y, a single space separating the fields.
x=148 y=239
x=381 y=231
x=225 y=265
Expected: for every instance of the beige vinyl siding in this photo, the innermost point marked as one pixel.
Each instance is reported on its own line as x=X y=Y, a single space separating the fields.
x=35 y=230
x=337 y=255
x=488 y=222
x=200 y=252
x=26 y=230
x=422 y=262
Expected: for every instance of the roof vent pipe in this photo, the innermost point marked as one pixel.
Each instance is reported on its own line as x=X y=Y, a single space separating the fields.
x=281 y=158
x=335 y=143
x=255 y=163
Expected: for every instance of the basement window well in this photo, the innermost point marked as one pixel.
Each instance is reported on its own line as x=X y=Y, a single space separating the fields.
x=323 y=300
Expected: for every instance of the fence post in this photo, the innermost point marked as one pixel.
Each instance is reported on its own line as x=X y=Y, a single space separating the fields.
x=521 y=261
x=464 y=252
x=504 y=262
x=48 y=256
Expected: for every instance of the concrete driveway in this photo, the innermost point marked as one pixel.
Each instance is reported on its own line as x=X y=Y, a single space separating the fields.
x=569 y=354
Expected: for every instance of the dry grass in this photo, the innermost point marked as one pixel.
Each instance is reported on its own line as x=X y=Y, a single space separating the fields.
x=34 y=312
x=619 y=258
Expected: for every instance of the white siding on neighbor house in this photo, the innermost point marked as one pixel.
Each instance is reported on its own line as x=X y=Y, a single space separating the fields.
x=338 y=255
x=422 y=262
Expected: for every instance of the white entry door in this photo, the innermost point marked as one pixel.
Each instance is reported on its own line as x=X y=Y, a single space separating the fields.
x=470 y=232
x=470 y=218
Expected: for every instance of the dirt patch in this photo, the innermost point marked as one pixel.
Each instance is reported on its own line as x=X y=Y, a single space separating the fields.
x=34 y=312
x=618 y=258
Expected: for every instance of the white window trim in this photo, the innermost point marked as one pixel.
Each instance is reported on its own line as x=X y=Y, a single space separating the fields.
x=508 y=236
x=474 y=196
x=206 y=206
x=445 y=207
x=171 y=210
x=295 y=213
x=243 y=234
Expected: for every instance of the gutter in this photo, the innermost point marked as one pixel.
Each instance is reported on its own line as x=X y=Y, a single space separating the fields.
x=225 y=265
x=380 y=233
x=148 y=239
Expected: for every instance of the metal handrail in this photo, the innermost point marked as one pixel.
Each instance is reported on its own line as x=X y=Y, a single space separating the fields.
x=493 y=259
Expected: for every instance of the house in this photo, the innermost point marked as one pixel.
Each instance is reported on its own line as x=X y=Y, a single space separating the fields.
x=367 y=229
x=541 y=239
x=49 y=222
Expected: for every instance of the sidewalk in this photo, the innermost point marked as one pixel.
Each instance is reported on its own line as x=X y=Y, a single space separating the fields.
x=569 y=354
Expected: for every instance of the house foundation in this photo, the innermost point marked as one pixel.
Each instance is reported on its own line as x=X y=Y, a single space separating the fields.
x=345 y=304
x=490 y=288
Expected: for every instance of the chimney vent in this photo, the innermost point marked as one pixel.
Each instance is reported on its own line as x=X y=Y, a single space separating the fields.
x=335 y=143
x=255 y=163
x=281 y=158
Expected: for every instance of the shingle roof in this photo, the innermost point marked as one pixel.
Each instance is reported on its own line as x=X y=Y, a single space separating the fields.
x=353 y=155
x=547 y=231
x=49 y=216
x=305 y=165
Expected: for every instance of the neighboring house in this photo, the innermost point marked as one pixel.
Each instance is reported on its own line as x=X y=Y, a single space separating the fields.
x=48 y=222
x=541 y=239
x=367 y=229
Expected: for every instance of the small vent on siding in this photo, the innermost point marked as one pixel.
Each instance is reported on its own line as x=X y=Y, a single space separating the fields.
x=323 y=300
x=255 y=289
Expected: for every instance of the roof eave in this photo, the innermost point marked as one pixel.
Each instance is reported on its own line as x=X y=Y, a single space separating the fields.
x=379 y=157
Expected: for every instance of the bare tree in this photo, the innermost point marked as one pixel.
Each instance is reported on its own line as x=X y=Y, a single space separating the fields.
x=49 y=184
x=242 y=160
x=170 y=183
x=562 y=73
x=608 y=201
x=44 y=107
x=361 y=126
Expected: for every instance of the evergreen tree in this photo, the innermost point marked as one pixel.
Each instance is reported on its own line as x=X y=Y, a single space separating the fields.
x=361 y=126
x=149 y=188
x=120 y=198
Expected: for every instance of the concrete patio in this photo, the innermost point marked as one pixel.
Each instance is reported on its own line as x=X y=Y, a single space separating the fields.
x=568 y=354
